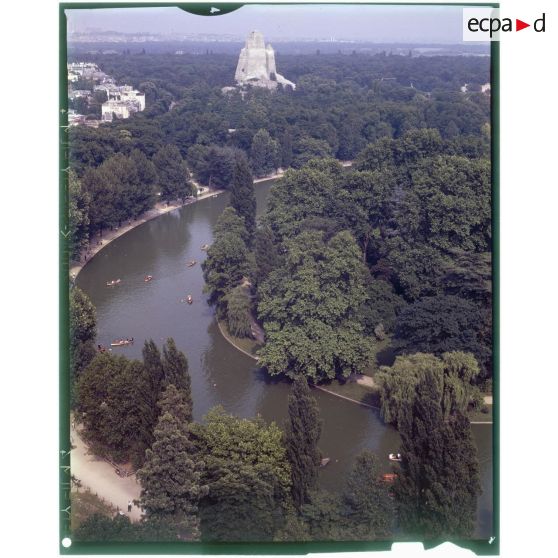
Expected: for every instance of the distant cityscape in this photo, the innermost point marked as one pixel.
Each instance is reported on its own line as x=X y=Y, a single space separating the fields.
x=117 y=101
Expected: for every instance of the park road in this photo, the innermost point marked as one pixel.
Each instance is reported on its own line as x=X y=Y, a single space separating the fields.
x=101 y=478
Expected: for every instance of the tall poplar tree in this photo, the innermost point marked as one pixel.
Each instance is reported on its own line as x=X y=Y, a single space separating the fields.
x=302 y=434
x=243 y=198
x=171 y=476
x=175 y=369
x=438 y=484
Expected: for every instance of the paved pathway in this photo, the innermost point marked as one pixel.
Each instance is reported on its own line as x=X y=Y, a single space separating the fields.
x=101 y=478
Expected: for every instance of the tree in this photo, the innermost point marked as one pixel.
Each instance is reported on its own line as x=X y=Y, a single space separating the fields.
x=83 y=331
x=147 y=181
x=248 y=475
x=173 y=174
x=238 y=312
x=78 y=216
x=228 y=260
x=438 y=484
x=455 y=374
x=368 y=511
x=175 y=371
x=243 y=198
x=307 y=149
x=264 y=153
x=114 y=404
x=265 y=253
x=310 y=308
x=303 y=432
x=444 y=323
x=171 y=475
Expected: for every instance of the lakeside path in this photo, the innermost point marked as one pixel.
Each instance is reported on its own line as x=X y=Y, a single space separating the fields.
x=157 y=211
x=101 y=478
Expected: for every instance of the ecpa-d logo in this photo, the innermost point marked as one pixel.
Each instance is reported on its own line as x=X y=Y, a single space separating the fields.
x=485 y=24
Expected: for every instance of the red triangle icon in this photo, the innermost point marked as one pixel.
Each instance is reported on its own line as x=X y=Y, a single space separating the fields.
x=519 y=25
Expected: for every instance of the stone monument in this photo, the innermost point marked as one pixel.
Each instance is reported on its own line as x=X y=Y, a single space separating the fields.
x=256 y=65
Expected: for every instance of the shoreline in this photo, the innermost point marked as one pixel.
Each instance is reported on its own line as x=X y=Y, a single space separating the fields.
x=158 y=210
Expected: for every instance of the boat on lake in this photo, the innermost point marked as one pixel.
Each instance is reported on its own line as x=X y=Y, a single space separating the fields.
x=205 y=247
x=148 y=278
x=113 y=282
x=325 y=461
x=189 y=299
x=394 y=457
x=389 y=477
x=191 y=263
x=122 y=342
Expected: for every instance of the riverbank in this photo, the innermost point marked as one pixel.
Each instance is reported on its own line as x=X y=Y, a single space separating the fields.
x=157 y=211
x=160 y=209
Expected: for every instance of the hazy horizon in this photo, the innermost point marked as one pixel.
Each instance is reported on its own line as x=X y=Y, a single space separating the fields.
x=364 y=23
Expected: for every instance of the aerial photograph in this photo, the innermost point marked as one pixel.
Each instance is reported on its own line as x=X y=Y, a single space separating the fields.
x=277 y=275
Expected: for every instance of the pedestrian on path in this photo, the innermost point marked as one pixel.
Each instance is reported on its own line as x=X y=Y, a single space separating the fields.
x=129 y=506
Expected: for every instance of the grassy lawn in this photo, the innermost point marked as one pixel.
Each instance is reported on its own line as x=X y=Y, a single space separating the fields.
x=352 y=390
x=84 y=504
x=245 y=343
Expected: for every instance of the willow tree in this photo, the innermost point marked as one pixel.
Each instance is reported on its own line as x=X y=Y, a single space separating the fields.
x=454 y=374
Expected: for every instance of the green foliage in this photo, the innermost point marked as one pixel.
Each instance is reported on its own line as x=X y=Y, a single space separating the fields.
x=78 y=216
x=368 y=511
x=228 y=259
x=265 y=253
x=303 y=432
x=173 y=174
x=175 y=369
x=438 y=484
x=264 y=154
x=83 y=331
x=99 y=528
x=213 y=165
x=454 y=374
x=381 y=307
x=307 y=149
x=243 y=198
x=310 y=309
x=445 y=323
x=238 y=312
x=171 y=474
x=114 y=404
x=248 y=475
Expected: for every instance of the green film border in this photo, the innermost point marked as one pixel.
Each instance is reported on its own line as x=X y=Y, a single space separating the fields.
x=479 y=546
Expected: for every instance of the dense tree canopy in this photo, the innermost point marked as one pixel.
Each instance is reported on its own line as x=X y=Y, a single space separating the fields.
x=171 y=474
x=310 y=309
x=248 y=475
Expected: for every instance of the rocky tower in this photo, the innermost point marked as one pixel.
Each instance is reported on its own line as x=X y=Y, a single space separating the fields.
x=256 y=64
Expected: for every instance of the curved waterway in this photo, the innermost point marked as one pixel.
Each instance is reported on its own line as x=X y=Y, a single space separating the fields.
x=222 y=375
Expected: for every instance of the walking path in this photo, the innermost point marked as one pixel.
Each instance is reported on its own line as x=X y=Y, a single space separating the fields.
x=101 y=478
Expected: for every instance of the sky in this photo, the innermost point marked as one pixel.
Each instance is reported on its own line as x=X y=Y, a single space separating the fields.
x=379 y=24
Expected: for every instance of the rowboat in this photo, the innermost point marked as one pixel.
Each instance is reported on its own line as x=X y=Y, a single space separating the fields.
x=191 y=263
x=113 y=282
x=148 y=278
x=189 y=299
x=122 y=342
x=325 y=461
x=205 y=247
x=394 y=457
